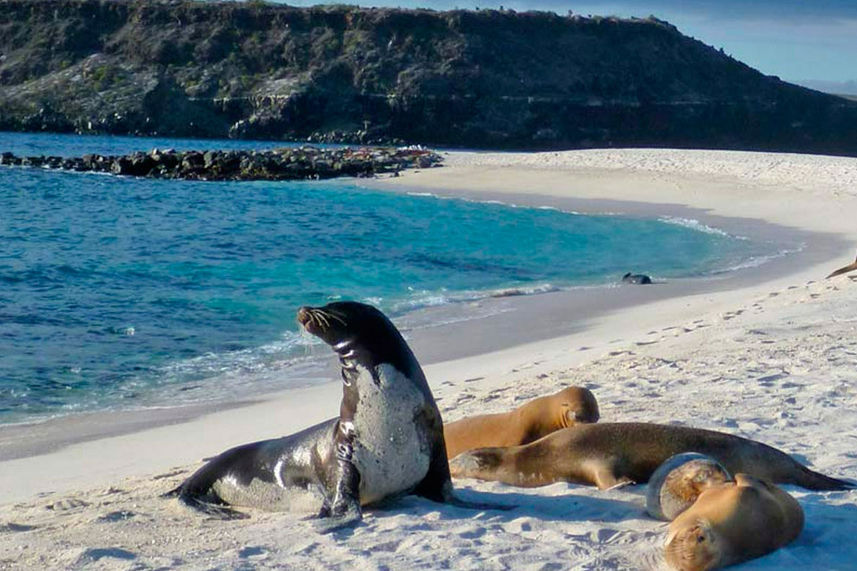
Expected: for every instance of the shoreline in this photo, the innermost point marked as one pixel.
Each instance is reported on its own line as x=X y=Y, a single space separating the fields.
x=768 y=353
x=553 y=314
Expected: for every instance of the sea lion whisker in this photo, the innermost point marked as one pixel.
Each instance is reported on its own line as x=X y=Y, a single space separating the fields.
x=336 y=318
x=321 y=320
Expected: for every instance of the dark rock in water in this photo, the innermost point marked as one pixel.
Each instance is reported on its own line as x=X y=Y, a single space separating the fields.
x=641 y=279
x=276 y=164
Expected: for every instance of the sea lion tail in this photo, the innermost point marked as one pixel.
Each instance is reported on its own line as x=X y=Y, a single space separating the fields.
x=816 y=481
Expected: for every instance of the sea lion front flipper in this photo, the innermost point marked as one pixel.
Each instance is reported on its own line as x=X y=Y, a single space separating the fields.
x=620 y=483
x=345 y=509
x=605 y=477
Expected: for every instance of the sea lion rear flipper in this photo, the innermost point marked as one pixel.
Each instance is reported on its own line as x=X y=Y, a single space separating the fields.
x=843 y=270
x=219 y=511
x=812 y=480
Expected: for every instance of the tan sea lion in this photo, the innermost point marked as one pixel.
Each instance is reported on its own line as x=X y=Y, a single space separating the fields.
x=527 y=423
x=614 y=454
x=677 y=483
x=844 y=269
x=732 y=523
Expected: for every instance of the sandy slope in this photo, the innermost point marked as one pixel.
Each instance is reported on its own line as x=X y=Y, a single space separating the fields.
x=774 y=359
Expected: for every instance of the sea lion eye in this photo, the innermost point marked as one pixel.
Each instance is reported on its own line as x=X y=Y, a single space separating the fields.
x=700 y=539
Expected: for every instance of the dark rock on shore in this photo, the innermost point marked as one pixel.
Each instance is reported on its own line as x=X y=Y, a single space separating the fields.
x=276 y=164
x=335 y=74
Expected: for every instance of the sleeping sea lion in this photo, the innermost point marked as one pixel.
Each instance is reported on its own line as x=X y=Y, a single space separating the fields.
x=677 y=483
x=613 y=454
x=731 y=523
x=523 y=425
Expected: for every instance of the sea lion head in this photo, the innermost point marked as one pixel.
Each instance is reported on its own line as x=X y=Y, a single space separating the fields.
x=694 y=548
x=360 y=334
x=577 y=405
x=679 y=481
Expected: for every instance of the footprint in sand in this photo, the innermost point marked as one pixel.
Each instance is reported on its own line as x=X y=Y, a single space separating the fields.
x=94 y=554
x=121 y=515
x=13 y=527
x=67 y=505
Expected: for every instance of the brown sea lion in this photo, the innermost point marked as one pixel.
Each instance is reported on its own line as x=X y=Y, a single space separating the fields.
x=677 y=483
x=844 y=269
x=732 y=523
x=527 y=423
x=614 y=454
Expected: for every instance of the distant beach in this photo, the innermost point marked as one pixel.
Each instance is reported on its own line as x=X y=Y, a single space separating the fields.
x=768 y=352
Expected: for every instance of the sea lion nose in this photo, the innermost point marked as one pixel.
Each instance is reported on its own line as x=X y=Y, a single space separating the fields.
x=304 y=315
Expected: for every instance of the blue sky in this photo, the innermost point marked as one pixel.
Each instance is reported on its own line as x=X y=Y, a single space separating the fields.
x=794 y=39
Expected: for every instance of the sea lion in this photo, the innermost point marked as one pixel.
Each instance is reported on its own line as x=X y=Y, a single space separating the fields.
x=641 y=279
x=676 y=484
x=523 y=425
x=387 y=440
x=615 y=454
x=844 y=270
x=731 y=523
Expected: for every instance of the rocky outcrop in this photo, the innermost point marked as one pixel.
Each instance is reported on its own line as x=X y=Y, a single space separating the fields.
x=277 y=164
x=346 y=74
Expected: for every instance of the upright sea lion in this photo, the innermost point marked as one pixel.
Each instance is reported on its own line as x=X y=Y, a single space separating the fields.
x=677 y=483
x=731 y=523
x=387 y=440
x=614 y=454
x=844 y=269
x=528 y=422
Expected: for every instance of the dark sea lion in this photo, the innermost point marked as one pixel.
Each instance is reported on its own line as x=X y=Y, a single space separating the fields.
x=614 y=454
x=731 y=523
x=386 y=442
x=641 y=279
x=677 y=483
x=844 y=269
x=530 y=421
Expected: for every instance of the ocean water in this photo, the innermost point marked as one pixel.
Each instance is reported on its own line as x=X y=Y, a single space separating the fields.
x=123 y=292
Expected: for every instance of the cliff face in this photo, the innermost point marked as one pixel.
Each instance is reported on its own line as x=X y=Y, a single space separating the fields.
x=486 y=79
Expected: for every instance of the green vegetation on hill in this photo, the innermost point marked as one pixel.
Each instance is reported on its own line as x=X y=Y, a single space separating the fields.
x=463 y=78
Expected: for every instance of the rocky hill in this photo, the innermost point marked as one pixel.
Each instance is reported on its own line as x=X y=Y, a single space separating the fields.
x=341 y=73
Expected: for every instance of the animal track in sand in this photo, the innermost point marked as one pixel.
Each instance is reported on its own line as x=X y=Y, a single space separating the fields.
x=67 y=505
x=16 y=527
x=120 y=515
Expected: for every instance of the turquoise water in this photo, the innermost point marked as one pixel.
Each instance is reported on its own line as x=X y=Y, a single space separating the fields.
x=126 y=292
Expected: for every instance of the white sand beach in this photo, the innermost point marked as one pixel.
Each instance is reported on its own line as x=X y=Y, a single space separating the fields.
x=768 y=353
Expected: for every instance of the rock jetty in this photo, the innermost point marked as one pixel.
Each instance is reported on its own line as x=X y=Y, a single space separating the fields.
x=290 y=163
